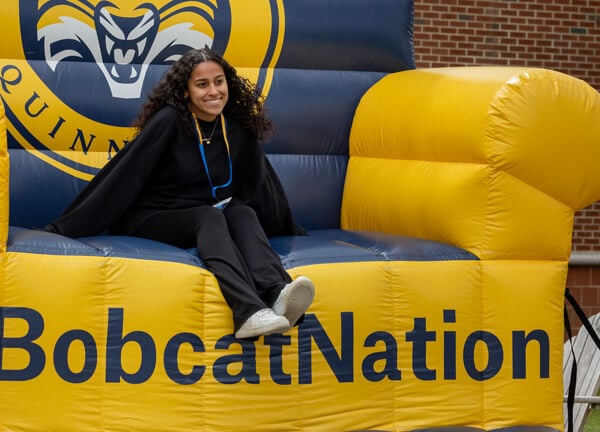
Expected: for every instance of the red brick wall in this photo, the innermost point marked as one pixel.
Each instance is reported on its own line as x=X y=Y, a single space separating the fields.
x=560 y=35
x=586 y=230
x=584 y=284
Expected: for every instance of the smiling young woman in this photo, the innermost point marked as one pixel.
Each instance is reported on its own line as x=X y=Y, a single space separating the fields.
x=207 y=90
x=195 y=175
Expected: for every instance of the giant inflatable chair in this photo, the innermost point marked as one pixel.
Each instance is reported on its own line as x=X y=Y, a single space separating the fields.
x=439 y=205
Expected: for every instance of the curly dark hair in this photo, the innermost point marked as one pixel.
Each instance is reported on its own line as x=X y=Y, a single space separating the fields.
x=245 y=103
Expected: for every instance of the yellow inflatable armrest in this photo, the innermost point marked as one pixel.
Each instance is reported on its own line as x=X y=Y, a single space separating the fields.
x=492 y=159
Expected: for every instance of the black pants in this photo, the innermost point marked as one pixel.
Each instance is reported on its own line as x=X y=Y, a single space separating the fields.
x=234 y=247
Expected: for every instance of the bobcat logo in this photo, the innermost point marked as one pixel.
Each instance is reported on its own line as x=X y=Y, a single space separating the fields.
x=75 y=72
x=124 y=41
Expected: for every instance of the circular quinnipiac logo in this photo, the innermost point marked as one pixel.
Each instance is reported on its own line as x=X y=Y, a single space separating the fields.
x=74 y=73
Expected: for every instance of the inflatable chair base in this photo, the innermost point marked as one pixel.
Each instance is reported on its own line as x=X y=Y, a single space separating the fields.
x=439 y=206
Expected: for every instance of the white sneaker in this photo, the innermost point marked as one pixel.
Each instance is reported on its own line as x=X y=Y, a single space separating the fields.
x=263 y=322
x=294 y=299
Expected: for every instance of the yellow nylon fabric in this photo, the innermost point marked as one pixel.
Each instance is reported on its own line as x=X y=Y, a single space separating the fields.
x=385 y=352
x=494 y=160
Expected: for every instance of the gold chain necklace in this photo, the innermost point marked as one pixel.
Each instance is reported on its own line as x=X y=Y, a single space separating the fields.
x=206 y=140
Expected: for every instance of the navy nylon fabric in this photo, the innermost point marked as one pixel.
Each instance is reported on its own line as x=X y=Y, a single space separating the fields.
x=372 y=35
x=317 y=182
x=319 y=247
x=312 y=110
x=40 y=242
x=339 y=246
x=38 y=192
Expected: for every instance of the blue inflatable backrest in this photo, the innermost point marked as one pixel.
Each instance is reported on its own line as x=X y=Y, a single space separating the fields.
x=319 y=59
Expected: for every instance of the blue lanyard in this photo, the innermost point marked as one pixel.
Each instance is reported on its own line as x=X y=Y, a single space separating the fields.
x=213 y=188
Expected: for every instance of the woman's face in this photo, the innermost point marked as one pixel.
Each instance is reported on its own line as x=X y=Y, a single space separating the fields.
x=207 y=90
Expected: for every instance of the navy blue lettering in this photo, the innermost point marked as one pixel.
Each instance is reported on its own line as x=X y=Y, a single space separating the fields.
x=37 y=358
x=54 y=131
x=276 y=343
x=114 y=346
x=247 y=359
x=85 y=146
x=419 y=336
x=29 y=103
x=171 y=356
x=379 y=364
x=495 y=355
x=342 y=365
x=520 y=342
x=389 y=357
x=449 y=346
x=113 y=147
x=5 y=82
x=61 y=356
